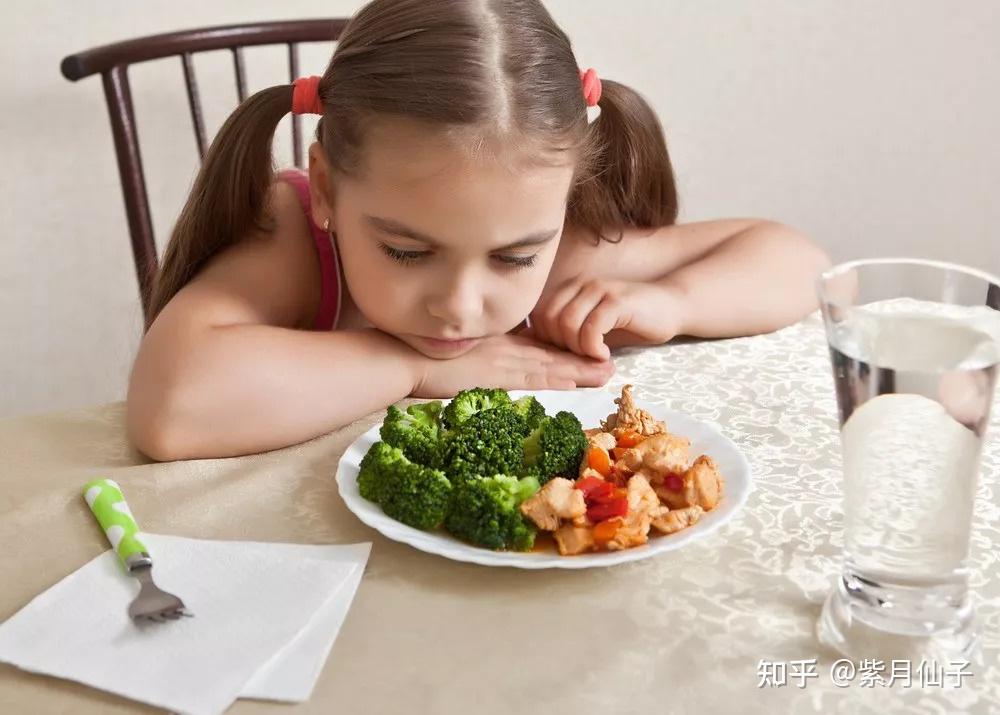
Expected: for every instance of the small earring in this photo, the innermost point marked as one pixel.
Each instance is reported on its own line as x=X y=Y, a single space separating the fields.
x=326 y=225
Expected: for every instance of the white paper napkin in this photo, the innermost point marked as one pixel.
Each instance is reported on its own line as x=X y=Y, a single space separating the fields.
x=266 y=616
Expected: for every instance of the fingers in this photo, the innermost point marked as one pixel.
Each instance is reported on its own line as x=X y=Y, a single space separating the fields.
x=545 y=317
x=542 y=381
x=596 y=375
x=574 y=314
x=522 y=363
x=532 y=354
x=578 y=316
x=602 y=320
x=585 y=372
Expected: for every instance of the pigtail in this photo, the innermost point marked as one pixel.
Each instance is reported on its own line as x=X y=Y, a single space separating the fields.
x=629 y=180
x=230 y=194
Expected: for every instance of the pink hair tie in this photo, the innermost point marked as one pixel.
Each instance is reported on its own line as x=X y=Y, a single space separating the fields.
x=591 y=86
x=305 y=96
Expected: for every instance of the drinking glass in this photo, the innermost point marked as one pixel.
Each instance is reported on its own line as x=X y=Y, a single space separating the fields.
x=915 y=347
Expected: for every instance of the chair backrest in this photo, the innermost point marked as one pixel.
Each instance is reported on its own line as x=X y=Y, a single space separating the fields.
x=112 y=62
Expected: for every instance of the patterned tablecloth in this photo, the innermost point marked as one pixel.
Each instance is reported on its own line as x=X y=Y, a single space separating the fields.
x=695 y=630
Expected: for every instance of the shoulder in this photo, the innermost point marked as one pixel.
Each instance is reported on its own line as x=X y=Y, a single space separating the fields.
x=269 y=276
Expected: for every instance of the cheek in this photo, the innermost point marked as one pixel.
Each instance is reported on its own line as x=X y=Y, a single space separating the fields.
x=527 y=289
x=380 y=289
x=516 y=293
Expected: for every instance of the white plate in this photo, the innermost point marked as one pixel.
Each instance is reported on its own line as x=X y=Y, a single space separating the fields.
x=590 y=406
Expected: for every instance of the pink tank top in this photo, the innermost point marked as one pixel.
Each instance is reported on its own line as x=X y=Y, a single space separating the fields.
x=329 y=307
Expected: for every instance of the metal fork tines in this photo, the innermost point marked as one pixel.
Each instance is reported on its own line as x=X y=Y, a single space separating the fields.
x=153 y=604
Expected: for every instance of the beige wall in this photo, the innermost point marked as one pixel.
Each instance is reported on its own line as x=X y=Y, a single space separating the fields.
x=872 y=125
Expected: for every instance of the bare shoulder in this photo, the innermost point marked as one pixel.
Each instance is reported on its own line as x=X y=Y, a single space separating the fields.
x=269 y=277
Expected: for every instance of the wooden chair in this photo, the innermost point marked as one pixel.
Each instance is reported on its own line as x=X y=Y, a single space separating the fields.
x=112 y=63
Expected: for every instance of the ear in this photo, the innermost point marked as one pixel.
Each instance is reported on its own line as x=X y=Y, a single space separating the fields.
x=320 y=186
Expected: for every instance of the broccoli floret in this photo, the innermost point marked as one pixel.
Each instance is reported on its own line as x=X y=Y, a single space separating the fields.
x=531 y=410
x=417 y=432
x=487 y=442
x=408 y=492
x=370 y=479
x=468 y=402
x=485 y=512
x=417 y=496
x=555 y=448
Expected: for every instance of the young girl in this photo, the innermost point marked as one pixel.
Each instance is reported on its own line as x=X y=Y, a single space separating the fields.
x=456 y=187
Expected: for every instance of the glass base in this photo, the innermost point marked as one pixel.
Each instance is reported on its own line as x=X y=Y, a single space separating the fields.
x=864 y=619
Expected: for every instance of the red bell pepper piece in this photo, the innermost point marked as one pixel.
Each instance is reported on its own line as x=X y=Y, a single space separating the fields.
x=588 y=484
x=607 y=509
x=674 y=482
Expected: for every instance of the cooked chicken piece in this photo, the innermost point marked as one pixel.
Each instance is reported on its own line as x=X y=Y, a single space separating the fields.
x=676 y=519
x=707 y=482
x=641 y=496
x=604 y=440
x=573 y=540
x=643 y=507
x=702 y=486
x=630 y=417
x=658 y=455
x=686 y=496
x=557 y=500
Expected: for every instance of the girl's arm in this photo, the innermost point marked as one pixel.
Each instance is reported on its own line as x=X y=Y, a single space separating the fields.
x=225 y=370
x=708 y=279
x=754 y=279
x=222 y=391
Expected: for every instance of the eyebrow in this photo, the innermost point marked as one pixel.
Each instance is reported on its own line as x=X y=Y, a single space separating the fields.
x=395 y=228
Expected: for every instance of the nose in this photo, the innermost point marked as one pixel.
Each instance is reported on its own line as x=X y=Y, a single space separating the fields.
x=457 y=301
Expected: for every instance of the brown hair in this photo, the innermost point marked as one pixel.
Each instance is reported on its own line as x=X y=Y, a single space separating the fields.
x=512 y=77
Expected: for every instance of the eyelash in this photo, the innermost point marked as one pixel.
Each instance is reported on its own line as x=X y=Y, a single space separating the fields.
x=410 y=257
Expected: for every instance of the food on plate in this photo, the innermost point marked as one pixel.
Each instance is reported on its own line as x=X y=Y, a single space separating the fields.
x=630 y=418
x=494 y=472
x=638 y=480
x=407 y=491
x=557 y=500
x=554 y=447
x=417 y=431
x=485 y=512
x=463 y=466
x=486 y=443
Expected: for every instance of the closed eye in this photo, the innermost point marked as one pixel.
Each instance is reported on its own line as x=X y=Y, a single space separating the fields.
x=410 y=257
x=518 y=261
x=401 y=256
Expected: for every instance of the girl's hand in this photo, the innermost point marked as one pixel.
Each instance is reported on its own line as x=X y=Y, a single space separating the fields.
x=580 y=314
x=511 y=362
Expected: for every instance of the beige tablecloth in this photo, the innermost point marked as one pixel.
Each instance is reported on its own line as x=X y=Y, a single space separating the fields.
x=683 y=632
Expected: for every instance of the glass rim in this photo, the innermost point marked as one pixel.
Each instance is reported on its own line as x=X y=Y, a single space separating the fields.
x=842 y=268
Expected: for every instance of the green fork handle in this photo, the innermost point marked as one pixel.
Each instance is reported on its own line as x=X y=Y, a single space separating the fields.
x=106 y=501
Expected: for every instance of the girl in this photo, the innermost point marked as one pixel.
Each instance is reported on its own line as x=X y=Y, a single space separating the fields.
x=456 y=187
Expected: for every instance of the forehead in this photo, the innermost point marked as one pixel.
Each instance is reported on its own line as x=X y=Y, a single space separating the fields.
x=457 y=189
x=403 y=157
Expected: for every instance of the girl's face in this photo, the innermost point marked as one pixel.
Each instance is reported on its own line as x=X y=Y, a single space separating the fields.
x=439 y=248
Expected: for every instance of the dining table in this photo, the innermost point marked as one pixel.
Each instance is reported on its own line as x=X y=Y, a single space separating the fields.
x=725 y=624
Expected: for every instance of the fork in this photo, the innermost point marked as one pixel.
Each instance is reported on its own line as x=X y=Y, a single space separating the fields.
x=106 y=501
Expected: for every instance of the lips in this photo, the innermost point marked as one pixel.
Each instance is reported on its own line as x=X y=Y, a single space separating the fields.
x=447 y=340
x=448 y=343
